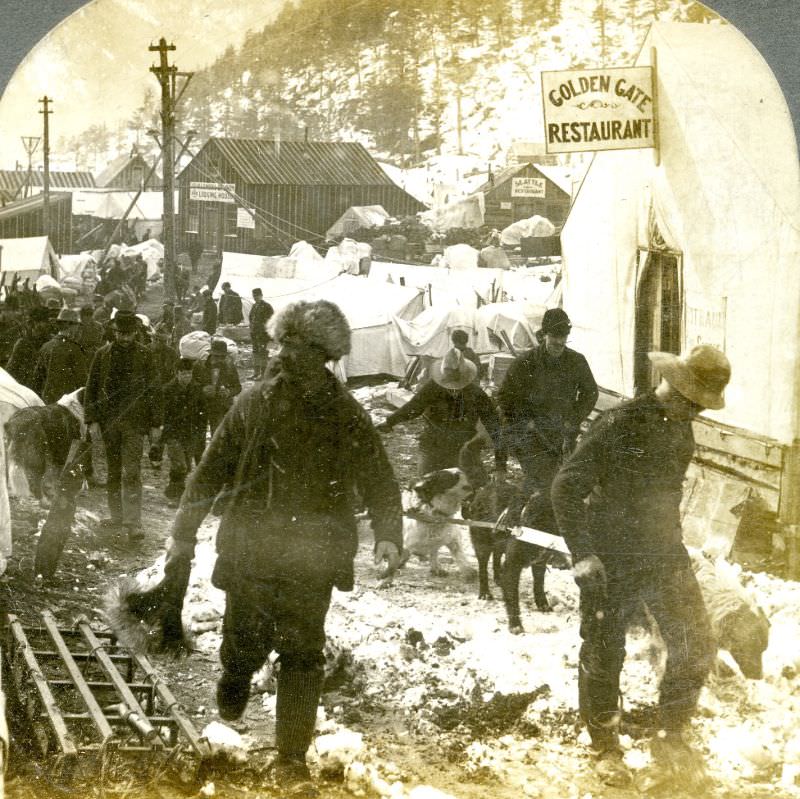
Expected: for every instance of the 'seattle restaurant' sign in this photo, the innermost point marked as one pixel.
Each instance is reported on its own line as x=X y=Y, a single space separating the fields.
x=598 y=109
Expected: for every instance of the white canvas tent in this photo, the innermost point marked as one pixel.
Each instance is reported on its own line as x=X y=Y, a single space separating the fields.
x=724 y=201
x=355 y=217
x=28 y=258
x=369 y=306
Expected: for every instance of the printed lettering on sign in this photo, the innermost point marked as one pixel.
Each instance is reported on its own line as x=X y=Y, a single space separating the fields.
x=598 y=109
x=212 y=192
x=528 y=187
x=246 y=218
x=705 y=320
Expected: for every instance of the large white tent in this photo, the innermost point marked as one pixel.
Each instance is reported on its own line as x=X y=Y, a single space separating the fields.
x=369 y=306
x=726 y=198
x=28 y=257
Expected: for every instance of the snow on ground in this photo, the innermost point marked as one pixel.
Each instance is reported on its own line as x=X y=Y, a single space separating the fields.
x=436 y=676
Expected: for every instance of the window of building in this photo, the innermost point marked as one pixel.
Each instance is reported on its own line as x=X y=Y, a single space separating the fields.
x=193 y=217
x=659 y=311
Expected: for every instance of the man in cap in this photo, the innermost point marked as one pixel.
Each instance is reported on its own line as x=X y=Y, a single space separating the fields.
x=545 y=396
x=219 y=382
x=627 y=547
x=259 y=317
x=230 y=306
x=124 y=398
x=451 y=404
x=62 y=365
x=288 y=531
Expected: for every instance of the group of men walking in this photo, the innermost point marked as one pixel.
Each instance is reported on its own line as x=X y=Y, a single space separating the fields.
x=291 y=451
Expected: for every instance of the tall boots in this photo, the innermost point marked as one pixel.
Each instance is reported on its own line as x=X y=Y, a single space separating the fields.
x=296 y=714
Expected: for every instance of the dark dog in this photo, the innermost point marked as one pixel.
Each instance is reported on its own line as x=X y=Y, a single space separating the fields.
x=537 y=513
x=498 y=501
x=39 y=441
x=509 y=556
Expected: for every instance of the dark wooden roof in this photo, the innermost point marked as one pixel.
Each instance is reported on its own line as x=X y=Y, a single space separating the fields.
x=12 y=179
x=119 y=165
x=29 y=204
x=301 y=163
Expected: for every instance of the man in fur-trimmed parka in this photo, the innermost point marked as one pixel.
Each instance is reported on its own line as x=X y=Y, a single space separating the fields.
x=287 y=458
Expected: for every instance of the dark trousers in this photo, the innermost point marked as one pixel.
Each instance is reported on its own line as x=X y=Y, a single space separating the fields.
x=285 y=614
x=440 y=450
x=124 y=484
x=539 y=465
x=672 y=595
x=260 y=355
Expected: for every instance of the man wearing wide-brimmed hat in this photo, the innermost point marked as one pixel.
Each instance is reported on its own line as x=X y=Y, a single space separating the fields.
x=451 y=403
x=62 y=365
x=545 y=396
x=627 y=547
x=123 y=397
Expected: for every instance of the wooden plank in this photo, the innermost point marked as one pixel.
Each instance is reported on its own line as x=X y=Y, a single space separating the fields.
x=49 y=705
x=77 y=678
x=108 y=667
x=172 y=707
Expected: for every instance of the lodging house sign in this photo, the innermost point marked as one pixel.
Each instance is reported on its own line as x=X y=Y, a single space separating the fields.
x=598 y=109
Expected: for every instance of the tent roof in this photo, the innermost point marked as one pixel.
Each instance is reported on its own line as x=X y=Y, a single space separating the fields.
x=301 y=163
x=30 y=254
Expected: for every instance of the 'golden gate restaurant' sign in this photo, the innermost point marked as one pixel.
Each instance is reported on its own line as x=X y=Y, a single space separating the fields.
x=598 y=109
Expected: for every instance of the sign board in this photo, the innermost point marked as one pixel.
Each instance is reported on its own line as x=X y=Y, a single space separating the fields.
x=212 y=192
x=598 y=109
x=246 y=217
x=706 y=319
x=504 y=206
x=528 y=187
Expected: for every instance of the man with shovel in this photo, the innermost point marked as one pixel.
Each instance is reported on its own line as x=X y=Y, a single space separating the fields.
x=617 y=502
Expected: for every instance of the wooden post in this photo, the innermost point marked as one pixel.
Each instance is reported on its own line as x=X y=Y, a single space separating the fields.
x=45 y=101
x=656 y=132
x=789 y=508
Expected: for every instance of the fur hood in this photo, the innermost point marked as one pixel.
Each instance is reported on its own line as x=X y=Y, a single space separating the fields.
x=321 y=324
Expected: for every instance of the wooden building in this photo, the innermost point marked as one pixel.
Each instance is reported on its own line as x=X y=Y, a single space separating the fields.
x=259 y=196
x=25 y=218
x=17 y=184
x=519 y=192
x=127 y=172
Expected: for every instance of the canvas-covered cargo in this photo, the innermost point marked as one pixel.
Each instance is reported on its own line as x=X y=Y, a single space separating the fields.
x=356 y=217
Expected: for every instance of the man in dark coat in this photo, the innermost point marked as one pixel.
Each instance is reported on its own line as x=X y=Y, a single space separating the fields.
x=124 y=398
x=627 y=547
x=451 y=404
x=545 y=396
x=195 y=251
x=209 y=308
x=230 y=306
x=90 y=334
x=219 y=381
x=62 y=365
x=25 y=353
x=259 y=317
x=180 y=327
x=288 y=532
x=184 y=433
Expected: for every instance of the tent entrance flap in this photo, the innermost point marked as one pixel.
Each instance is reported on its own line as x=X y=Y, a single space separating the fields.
x=659 y=312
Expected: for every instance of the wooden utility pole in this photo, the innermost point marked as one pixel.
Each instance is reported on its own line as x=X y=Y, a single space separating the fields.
x=167 y=76
x=45 y=101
